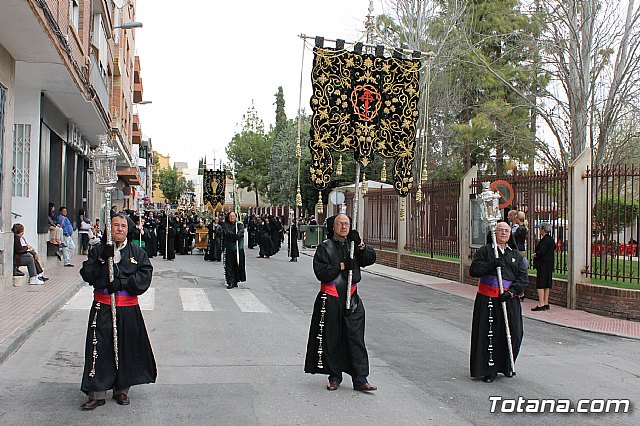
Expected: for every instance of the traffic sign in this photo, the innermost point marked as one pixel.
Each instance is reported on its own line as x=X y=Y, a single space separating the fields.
x=505 y=190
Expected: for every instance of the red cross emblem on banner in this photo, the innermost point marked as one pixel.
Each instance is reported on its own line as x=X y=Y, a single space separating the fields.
x=366 y=101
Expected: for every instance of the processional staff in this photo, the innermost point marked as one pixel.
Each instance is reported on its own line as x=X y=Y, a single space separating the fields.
x=488 y=202
x=106 y=176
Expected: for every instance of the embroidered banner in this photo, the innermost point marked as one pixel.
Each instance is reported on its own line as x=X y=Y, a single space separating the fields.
x=366 y=104
x=213 y=185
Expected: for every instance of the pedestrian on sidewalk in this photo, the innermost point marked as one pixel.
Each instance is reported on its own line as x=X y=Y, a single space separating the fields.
x=543 y=262
x=233 y=242
x=489 y=350
x=84 y=226
x=67 y=236
x=132 y=277
x=25 y=255
x=336 y=337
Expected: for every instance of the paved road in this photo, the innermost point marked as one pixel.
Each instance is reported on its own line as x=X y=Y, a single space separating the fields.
x=234 y=357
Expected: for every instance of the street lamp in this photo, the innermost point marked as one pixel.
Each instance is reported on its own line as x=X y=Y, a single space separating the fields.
x=104 y=162
x=129 y=25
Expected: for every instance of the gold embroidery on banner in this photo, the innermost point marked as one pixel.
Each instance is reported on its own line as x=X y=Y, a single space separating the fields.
x=366 y=104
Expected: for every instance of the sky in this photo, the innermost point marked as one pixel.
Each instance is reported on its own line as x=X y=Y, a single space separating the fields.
x=204 y=62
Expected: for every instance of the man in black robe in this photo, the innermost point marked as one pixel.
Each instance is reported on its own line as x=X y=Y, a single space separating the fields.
x=294 y=253
x=132 y=277
x=336 y=337
x=214 y=244
x=266 y=244
x=489 y=350
x=233 y=242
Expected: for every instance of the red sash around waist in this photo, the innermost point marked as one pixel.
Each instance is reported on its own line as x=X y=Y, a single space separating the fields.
x=330 y=288
x=120 y=300
x=488 y=285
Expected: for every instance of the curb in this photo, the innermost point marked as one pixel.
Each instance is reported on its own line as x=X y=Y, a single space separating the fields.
x=18 y=337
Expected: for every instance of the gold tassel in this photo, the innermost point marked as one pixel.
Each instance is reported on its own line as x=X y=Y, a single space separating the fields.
x=320 y=205
x=339 y=166
x=425 y=173
x=298 y=197
x=363 y=185
x=383 y=173
x=419 y=194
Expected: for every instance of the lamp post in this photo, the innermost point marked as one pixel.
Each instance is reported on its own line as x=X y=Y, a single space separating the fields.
x=490 y=209
x=104 y=161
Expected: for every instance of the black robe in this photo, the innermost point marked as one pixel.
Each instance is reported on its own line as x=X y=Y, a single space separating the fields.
x=266 y=244
x=214 y=243
x=136 y=361
x=515 y=270
x=343 y=348
x=293 y=242
x=543 y=262
x=233 y=242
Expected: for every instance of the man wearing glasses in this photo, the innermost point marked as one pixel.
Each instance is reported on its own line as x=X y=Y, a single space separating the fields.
x=336 y=336
x=489 y=350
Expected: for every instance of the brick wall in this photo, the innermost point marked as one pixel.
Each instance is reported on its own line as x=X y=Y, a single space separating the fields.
x=425 y=265
x=387 y=258
x=557 y=295
x=609 y=301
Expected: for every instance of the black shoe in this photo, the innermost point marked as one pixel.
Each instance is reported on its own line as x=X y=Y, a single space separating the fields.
x=69 y=265
x=547 y=307
x=122 y=399
x=365 y=387
x=59 y=255
x=229 y=286
x=92 y=404
x=18 y=273
x=509 y=374
x=538 y=308
x=44 y=278
x=488 y=379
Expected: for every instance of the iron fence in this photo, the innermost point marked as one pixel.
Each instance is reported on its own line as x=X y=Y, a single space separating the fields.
x=432 y=223
x=613 y=192
x=381 y=218
x=543 y=197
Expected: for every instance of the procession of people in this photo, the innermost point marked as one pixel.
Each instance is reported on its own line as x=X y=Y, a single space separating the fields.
x=118 y=352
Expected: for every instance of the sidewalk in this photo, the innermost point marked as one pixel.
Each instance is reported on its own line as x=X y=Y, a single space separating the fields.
x=24 y=309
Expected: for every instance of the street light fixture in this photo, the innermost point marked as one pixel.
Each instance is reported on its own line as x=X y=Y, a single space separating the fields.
x=129 y=25
x=104 y=161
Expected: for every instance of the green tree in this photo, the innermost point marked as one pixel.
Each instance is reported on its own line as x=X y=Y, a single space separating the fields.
x=249 y=152
x=172 y=184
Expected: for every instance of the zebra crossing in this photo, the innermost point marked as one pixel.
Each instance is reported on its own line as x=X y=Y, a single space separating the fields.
x=191 y=299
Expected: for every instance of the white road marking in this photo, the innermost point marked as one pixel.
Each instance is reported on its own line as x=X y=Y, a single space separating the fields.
x=147 y=300
x=247 y=301
x=195 y=299
x=81 y=301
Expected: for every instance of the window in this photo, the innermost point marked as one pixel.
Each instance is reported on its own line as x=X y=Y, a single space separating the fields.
x=21 y=158
x=74 y=13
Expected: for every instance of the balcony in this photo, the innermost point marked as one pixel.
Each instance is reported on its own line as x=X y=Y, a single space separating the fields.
x=137 y=81
x=129 y=175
